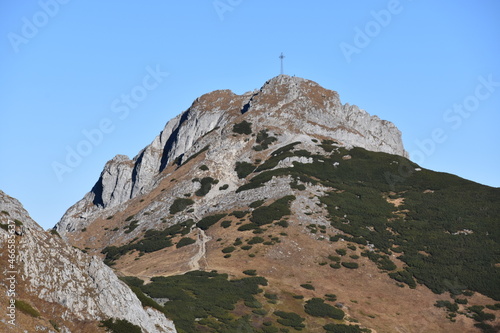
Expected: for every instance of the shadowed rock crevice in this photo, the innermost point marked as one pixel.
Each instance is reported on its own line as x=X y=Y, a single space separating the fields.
x=165 y=158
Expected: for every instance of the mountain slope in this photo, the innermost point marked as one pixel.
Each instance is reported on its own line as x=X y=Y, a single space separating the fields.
x=317 y=198
x=60 y=287
x=281 y=103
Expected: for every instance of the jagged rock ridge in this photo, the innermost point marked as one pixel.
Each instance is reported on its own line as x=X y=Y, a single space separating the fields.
x=300 y=106
x=73 y=286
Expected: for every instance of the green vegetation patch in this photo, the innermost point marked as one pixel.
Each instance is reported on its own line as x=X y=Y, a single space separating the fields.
x=228 y=249
x=404 y=277
x=255 y=240
x=203 y=301
x=317 y=307
x=264 y=140
x=209 y=221
x=277 y=156
x=239 y=213
x=342 y=328
x=290 y=319
x=179 y=205
x=243 y=169
x=243 y=128
x=248 y=226
x=225 y=224
x=184 y=242
x=153 y=240
x=26 y=308
x=120 y=326
x=129 y=228
x=257 y=203
x=350 y=265
x=275 y=211
x=250 y=272
x=307 y=286
x=381 y=260
x=206 y=186
x=448 y=237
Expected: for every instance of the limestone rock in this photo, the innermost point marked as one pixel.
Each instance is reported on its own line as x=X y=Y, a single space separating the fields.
x=57 y=273
x=293 y=106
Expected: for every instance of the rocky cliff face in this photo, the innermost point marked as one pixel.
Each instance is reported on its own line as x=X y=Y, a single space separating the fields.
x=67 y=286
x=291 y=104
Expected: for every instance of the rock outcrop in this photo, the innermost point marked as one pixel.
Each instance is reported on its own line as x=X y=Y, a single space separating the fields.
x=74 y=286
x=289 y=103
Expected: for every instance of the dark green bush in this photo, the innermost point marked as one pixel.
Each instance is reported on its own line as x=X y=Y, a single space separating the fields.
x=152 y=241
x=405 y=277
x=494 y=307
x=253 y=303
x=204 y=295
x=383 y=261
x=145 y=300
x=185 y=241
x=264 y=140
x=243 y=169
x=132 y=281
x=255 y=240
x=131 y=227
x=243 y=128
x=260 y=312
x=206 y=186
x=251 y=272
x=120 y=326
x=239 y=213
x=209 y=220
x=228 y=249
x=318 y=308
x=452 y=307
x=26 y=308
x=225 y=224
x=256 y=203
x=290 y=319
x=334 y=258
x=180 y=204
x=341 y=252
x=271 y=296
x=283 y=223
x=248 y=226
x=275 y=211
x=342 y=328
x=307 y=286
x=350 y=265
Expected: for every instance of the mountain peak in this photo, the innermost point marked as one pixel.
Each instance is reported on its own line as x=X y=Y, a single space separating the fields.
x=291 y=106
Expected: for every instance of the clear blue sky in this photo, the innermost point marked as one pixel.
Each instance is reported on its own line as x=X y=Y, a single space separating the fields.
x=428 y=66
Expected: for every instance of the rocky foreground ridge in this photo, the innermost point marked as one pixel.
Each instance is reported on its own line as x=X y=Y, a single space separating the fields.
x=70 y=290
x=288 y=104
